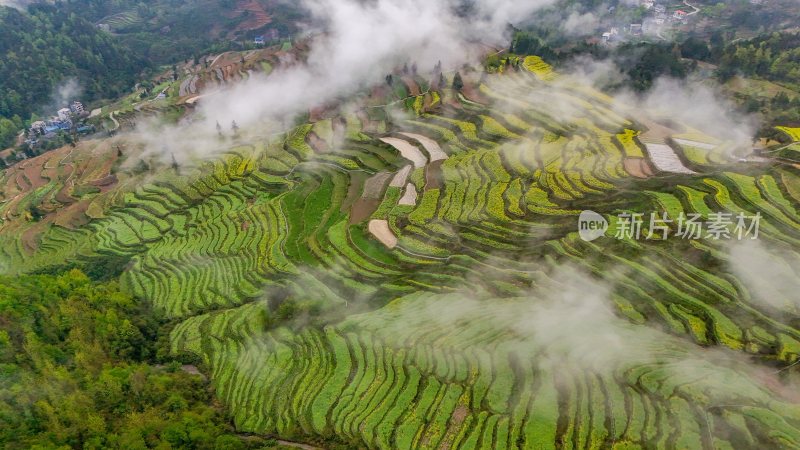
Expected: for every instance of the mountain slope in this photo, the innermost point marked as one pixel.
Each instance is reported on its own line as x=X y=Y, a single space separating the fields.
x=40 y=50
x=417 y=281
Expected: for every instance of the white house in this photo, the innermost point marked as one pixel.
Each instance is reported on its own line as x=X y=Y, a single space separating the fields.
x=76 y=107
x=64 y=114
x=38 y=127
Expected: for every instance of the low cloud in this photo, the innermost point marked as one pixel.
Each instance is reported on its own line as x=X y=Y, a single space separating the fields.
x=577 y=24
x=18 y=4
x=360 y=42
x=698 y=106
x=354 y=45
x=768 y=276
x=66 y=92
x=688 y=102
x=568 y=324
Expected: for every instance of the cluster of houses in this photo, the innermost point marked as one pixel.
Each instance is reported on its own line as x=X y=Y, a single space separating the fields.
x=66 y=120
x=660 y=16
x=614 y=34
x=656 y=18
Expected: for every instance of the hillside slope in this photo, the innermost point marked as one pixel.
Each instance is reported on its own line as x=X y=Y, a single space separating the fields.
x=43 y=49
x=417 y=281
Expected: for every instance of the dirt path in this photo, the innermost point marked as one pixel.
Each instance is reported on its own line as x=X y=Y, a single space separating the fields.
x=690 y=143
x=193 y=100
x=696 y=9
x=776 y=150
x=298 y=445
x=216 y=59
x=113 y=119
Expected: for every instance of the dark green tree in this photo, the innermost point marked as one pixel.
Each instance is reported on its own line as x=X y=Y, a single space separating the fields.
x=458 y=83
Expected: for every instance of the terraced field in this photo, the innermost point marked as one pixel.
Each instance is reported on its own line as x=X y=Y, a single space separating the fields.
x=420 y=282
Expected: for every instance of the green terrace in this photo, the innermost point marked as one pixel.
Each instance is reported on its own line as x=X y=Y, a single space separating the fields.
x=289 y=267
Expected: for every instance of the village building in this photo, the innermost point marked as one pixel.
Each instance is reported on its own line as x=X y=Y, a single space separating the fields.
x=64 y=114
x=56 y=124
x=38 y=127
x=611 y=35
x=76 y=107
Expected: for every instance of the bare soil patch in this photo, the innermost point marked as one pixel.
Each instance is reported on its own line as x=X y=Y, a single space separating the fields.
x=413 y=87
x=407 y=150
x=637 y=167
x=74 y=216
x=105 y=181
x=471 y=93
x=64 y=196
x=381 y=230
x=409 y=197
x=433 y=175
x=656 y=133
x=257 y=15
x=400 y=178
x=363 y=209
x=33 y=172
x=30 y=237
x=374 y=185
x=435 y=151
x=456 y=420
x=317 y=143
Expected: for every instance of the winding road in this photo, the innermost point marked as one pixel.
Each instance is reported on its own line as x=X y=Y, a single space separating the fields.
x=696 y=9
x=113 y=119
